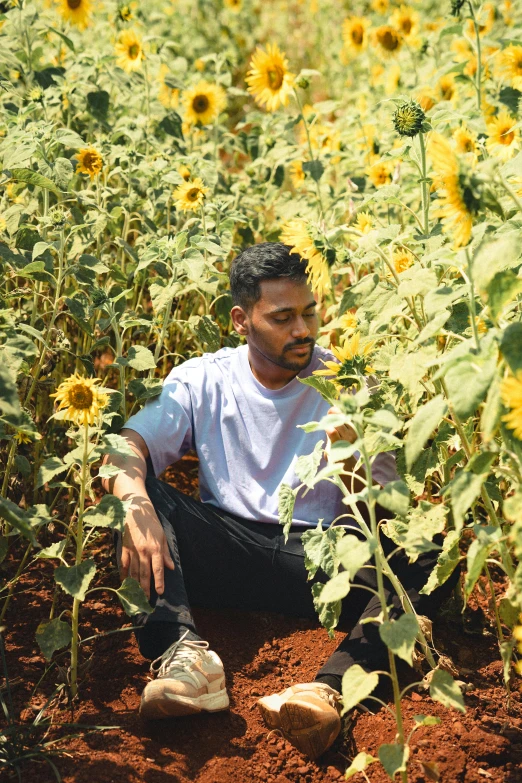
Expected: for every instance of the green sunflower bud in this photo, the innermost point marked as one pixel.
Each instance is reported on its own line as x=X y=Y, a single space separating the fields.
x=302 y=82
x=408 y=119
x=58 y=219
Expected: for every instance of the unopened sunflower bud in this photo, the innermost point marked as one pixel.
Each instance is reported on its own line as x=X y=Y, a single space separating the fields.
x=409 y=118
x=58 y=219
x=302 y=82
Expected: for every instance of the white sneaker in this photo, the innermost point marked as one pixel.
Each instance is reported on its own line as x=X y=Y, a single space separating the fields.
x=189 y=679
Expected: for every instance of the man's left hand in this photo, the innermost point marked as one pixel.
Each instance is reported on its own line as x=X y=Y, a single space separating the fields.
x=343 y=432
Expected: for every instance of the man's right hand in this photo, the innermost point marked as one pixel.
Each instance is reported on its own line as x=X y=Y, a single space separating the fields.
x=145 y=549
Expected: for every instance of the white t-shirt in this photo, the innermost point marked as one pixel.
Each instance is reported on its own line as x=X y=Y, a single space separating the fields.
x=245 y=435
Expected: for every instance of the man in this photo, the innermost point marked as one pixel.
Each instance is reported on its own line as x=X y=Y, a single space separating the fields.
x=240 y=410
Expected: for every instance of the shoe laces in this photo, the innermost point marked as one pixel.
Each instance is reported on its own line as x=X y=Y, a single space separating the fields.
x=178 y=657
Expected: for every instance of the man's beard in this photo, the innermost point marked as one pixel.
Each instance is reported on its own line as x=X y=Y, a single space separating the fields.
x=282 y=359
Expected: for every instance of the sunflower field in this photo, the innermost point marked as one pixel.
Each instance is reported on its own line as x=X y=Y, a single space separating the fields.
x=144 y=145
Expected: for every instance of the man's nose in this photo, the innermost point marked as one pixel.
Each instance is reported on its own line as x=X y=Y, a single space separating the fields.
x=300 y=328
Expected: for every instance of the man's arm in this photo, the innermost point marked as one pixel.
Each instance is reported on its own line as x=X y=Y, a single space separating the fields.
x=145 y=549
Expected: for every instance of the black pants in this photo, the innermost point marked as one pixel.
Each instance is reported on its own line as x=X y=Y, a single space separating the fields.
x=223 y=561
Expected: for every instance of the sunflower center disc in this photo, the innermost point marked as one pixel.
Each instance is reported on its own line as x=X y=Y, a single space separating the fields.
x=73 y=4
x=507 y=137
x=357 y=35
x=200 y=104
x=406 y=26
x=389 y=41
x=134 y=51
x=193 y=194
x=80 y=397
x=275 y=77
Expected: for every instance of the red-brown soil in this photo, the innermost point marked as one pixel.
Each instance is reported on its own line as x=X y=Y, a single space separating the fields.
x=262 y=653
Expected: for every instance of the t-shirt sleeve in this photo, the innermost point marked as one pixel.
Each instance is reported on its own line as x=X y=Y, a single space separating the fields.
x=165 y=423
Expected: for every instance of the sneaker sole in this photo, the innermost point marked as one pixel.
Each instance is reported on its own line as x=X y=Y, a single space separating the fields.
x=162 y=704
x=299 y=724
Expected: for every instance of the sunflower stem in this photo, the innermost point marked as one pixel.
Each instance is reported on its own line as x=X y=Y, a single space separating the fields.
x=78 y=560
x=472 y=305
x=311 y=153
x=478 y=78
x=510 y=192
x=424 y=183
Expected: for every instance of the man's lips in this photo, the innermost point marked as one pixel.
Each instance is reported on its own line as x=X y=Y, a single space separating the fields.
x=301 y=349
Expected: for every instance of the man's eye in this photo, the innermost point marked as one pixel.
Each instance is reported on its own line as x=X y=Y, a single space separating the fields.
x=280 y=320
x=310 y=315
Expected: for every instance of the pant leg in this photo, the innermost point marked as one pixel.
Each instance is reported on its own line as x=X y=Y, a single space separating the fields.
x=363 y=645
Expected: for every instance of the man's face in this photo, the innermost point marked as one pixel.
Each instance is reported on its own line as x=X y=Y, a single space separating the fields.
x=282 y=325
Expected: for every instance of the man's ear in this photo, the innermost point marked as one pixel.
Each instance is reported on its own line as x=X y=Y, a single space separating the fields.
x=240 y=320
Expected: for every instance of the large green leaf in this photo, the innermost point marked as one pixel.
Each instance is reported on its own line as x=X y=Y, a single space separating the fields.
x=394 y=758
x=511 y=346
x=9 y=400
x=469 y=378
x=336 y=589
x=501 y=290
x=445 y=690
x=133 y=598
x=427 y=418
x=400 y=635
x=286 y=508
x=306 y=466
x=109 y=512
x=395 y=497
x=465 y=489
x=328 y=613
x=356 y=294
x=354 y=553
x=357 y=685
x=52 y=635
x=325 y=387
x=493 y=257
x=140 y=358
x=76 y=579
x=17 y=518
x=320 y=549
x=447 y=561
x=34 y=178
x=478 y=552
x=49 y=469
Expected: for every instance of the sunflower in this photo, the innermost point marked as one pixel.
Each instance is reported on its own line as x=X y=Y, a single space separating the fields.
x=296 y=234
x=380 y=6
x=446 y=87
x=509 y=66
x=511 y=394
x=190 y=195
x=168 y=96
x=348 y=322
x=129 y=50
x=269 y=79
x=486 y=20
x=402 y=259
x=351 y=362
x=80 y=400
x=21 y=437
x=426 y=97
x=203 y=103
x=199 y=64
x=388 y=40
x=459 y=192
x=297 y=174
x=355 y=35
x=503 y=136
x=466 y=142
x=406 y=20
x=89 y=162
x=184 y=172
x=380 y=173
x=234 y=5
x=76 y=11
x=364 y=222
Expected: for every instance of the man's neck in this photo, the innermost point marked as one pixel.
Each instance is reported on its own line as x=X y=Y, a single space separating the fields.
x=269 y=375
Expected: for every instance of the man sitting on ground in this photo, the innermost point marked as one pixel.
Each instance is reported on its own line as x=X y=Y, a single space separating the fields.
x=239 y=409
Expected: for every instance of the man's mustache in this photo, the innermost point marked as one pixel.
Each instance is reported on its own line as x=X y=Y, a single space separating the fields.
x=298 y=342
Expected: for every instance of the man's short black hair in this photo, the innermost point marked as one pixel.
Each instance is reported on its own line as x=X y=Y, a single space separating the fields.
x=265 y=261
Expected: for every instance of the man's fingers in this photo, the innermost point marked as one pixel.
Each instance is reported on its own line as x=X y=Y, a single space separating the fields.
x=124 y=563
x=167 y=559
x=145 y=576
x=157 y=570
